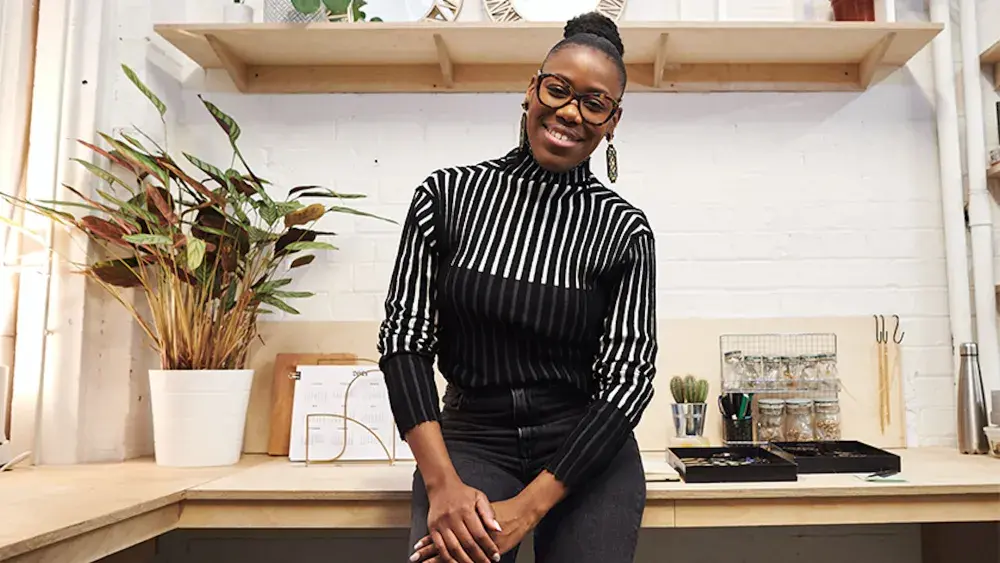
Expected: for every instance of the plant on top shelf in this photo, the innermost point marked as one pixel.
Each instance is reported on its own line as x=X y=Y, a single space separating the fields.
x=337 y=10
x=689 y=389
x=209 y=248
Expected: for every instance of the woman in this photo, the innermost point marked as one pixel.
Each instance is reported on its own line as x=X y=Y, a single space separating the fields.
x=534 y=287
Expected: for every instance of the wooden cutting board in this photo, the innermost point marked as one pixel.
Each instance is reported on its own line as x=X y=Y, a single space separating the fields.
x=283 y=392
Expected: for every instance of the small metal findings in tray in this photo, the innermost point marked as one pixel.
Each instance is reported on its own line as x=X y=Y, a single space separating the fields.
x=844 y=456
x=730 y=465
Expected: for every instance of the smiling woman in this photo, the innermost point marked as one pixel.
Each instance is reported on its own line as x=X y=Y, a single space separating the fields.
x=533 y=286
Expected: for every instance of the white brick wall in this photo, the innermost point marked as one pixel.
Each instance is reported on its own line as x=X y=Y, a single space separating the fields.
x=726 y=179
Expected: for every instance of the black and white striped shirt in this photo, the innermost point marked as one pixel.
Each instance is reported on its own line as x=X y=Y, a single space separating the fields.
x=510 y=274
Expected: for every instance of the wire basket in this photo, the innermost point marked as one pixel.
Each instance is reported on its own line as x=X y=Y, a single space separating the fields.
x=793 y=370
x=282 y=11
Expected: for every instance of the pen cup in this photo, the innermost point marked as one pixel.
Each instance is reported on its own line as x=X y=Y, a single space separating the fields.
x=737 y=430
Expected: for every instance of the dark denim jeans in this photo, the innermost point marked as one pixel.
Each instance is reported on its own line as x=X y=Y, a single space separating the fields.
x=499 y=440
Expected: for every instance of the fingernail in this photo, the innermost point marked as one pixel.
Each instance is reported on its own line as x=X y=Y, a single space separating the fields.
x=496 y=557
x=414 y=557
x=416 y=546
x=497 y=526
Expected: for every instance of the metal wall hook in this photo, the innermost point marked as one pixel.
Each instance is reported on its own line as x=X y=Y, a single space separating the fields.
x=895 y=330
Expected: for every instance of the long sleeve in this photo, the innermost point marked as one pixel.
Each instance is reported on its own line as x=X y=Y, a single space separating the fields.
x=408 y=334
x=625 y=368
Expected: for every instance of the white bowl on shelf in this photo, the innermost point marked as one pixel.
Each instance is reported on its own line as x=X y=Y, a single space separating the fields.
x=993 y=435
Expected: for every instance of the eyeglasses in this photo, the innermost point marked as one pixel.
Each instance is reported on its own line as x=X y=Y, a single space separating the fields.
x=554 y=92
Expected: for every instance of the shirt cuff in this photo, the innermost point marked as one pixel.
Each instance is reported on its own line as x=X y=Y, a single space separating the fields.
x=413 y=396
x=592 y=445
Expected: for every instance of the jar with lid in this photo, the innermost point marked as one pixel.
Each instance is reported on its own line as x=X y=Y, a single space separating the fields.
x=827 y=419
x=798 y=420
x=770 y=420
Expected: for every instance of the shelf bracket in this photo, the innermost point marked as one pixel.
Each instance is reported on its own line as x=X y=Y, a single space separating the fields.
x=444 y=59
x=660 y=64
x=236 y=68
x=874 y=58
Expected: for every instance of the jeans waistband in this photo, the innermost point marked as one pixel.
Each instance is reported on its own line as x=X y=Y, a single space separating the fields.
x=520 y=406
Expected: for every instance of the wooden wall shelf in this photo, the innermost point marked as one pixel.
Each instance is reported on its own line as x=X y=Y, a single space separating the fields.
x=991 y=57
x=490 y=57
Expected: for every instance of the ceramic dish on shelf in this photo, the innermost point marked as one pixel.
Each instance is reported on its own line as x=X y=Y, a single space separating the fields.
x=550 y=10
x=413 y=10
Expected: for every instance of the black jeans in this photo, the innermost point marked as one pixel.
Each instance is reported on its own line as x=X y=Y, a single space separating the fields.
x=499 y=441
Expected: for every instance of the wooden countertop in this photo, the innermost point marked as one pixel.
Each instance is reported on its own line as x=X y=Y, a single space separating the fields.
x=926 y=470
x=46 y=505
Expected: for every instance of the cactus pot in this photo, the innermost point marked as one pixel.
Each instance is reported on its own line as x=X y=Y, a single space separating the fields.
x=689 y=419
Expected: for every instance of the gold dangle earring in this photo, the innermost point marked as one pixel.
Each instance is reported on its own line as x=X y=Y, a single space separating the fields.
x=524 y=124
x=612 y=162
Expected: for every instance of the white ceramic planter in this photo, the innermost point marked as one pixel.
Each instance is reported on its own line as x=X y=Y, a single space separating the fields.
x=237 y=13
x=199 y=416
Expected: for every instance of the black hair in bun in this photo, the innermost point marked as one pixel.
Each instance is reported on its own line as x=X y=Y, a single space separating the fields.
x=599 y=32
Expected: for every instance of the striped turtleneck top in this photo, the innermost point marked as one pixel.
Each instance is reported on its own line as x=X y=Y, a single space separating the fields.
x=509 y=274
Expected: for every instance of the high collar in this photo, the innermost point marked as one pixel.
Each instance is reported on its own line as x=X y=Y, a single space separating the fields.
x=522 y=164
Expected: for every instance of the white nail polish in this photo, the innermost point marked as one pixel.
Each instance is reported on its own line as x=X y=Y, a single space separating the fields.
x=414 y=557
x=496 y=557
x=416 y=546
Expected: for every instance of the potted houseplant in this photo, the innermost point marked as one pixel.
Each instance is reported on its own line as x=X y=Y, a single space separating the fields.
x=689 y=407
x=853 y=10
x=336 y=10
x=209 y=249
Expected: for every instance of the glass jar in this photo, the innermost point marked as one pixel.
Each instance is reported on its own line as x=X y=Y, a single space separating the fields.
x=798 y=420
x=826 y=422
x=732 y=370
x=829 y=379
x=770 y=420
x=753 y=367
x=772 y=372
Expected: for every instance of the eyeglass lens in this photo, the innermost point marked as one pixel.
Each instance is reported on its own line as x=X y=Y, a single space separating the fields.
x=555 y=93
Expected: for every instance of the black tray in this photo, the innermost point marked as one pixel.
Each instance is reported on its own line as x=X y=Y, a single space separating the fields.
x=692 y=464
x=845 y=456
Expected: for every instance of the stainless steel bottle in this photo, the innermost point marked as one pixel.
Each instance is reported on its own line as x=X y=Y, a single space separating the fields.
x=971 y=402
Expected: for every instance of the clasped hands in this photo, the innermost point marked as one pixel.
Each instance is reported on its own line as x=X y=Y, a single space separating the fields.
x=466 y=528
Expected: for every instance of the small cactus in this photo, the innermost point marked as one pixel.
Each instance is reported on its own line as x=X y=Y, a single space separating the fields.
x=689 y=389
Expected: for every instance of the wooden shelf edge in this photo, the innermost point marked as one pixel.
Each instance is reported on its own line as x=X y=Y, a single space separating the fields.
x=206 y=44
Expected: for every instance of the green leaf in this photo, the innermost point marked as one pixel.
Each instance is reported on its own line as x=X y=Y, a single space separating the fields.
x=141 y=158
x=293 y=294
x=375 y=19
x=134 y=142
x=337 y=7
x=195 y=252
x=306 y=6
x=160 y=107
x=275 y=302
x=351 y=211
x=302 y=261
x=310 y=245
x=224 y=121
x=260 y=235
x=212 y=171
x=356 y=9
x=102 y=173
x=270 y=286
x=148 y=239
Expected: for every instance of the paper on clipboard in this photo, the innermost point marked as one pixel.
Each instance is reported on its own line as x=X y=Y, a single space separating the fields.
x=322 y=390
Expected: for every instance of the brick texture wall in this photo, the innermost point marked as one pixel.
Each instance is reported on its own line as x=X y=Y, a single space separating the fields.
x=764 y=204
